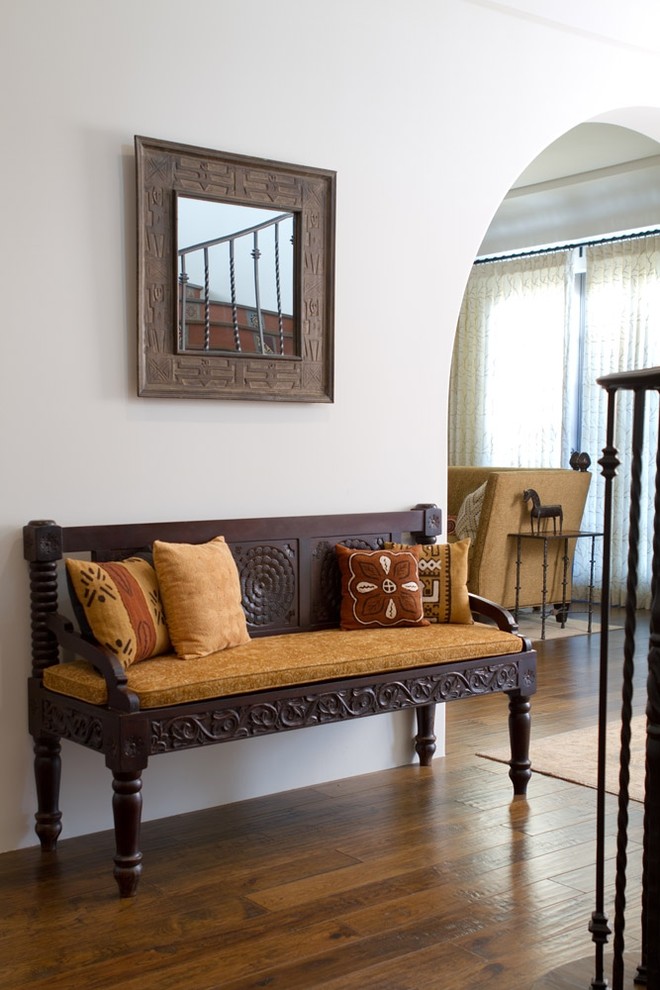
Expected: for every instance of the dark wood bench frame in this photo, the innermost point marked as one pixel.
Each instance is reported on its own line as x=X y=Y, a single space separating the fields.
x=299 y=553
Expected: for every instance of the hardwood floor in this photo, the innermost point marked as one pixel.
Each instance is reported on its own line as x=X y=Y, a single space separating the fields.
x=402 y=880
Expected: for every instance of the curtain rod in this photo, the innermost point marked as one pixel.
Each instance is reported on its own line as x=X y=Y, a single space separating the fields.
x=569 y=246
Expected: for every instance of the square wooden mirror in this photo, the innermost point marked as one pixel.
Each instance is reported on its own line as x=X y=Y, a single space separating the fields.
x=235 y=276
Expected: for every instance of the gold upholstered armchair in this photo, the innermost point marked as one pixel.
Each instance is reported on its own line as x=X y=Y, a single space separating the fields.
x=487 y=505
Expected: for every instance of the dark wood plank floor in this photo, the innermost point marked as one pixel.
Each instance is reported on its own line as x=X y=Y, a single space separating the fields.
x=402 y=880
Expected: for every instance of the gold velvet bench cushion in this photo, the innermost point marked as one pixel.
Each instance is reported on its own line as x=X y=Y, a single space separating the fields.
x=289 y=659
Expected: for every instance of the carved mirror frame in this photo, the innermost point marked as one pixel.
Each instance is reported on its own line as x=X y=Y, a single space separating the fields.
x=164 y=169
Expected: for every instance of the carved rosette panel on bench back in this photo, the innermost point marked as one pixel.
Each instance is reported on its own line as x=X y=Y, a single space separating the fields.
x=268 y=583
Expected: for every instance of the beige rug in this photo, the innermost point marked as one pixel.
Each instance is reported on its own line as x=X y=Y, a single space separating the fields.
x=529 y=625
x=580 y=975
x=573 y=756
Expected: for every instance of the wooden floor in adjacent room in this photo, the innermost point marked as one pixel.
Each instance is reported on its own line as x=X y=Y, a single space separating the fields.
x=406 y=879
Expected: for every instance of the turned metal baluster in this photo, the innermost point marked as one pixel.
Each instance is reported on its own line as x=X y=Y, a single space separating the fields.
x=650 y=967
x=207 y=302
x=256 y=255
x=234 y=307
x=654 y=629
x=278 y=288
x=184 y=278
x=627 y=689
x=648 y=971
x=598 y=926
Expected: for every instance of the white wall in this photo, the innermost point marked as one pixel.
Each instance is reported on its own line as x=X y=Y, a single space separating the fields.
x=428 y=111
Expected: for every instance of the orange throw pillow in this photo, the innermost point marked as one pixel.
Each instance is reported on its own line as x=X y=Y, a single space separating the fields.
x=201 y=593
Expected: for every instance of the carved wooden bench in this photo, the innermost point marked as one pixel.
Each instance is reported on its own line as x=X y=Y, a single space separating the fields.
x=291 y=591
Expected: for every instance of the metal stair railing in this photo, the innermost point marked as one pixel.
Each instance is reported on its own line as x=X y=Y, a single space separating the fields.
x=640 y=383
x=231 y=239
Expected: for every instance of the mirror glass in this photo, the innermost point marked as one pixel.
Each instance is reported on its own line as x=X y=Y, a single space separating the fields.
x=235 y=279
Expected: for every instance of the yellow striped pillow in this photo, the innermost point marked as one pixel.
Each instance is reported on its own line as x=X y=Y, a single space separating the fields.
x=443 y=572
x=119 y=604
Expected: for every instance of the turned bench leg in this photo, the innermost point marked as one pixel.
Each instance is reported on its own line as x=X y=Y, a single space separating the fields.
x=425 y=738
x=520 y=720
x=47 y=771
x=127 y=811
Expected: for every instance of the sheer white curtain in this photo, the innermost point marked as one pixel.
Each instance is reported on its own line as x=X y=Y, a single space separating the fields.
x=622 y=332
x=507 y=398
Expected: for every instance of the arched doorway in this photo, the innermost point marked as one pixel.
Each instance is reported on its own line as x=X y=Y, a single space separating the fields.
x=523 y=390
x=593 y=181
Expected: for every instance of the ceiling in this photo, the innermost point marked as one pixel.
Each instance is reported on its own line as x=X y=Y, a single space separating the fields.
x=634 y=24
x=585 y=148
x=595 y=180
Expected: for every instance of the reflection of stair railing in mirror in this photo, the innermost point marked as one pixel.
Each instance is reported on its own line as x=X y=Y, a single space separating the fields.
x=639 y=385
x=211 y=324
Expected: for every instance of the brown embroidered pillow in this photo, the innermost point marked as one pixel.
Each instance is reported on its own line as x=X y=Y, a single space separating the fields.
x=201 y=592
x=119 y=605
x=443 y=571
x=380 y=588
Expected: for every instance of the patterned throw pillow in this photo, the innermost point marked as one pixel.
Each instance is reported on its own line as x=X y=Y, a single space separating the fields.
x=380 y=588
x=443 y=571
x=119 y=605
x=201 y=593
x=467 y=520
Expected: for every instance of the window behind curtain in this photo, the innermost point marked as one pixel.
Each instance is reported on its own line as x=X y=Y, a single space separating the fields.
x=506 y=401
x=622 y=332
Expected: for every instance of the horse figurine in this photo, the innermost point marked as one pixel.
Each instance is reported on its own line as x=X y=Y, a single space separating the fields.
x=540 y=512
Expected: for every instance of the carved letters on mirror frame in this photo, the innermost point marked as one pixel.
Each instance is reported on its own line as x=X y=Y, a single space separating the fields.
x=167 y=369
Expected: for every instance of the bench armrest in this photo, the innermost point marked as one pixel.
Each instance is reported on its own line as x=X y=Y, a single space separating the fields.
x=103 y=661
x=502 y=618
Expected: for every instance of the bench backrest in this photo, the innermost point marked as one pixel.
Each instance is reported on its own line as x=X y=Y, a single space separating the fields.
x=287 y=565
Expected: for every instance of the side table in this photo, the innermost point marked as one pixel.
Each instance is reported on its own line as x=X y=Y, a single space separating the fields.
x=547 y=537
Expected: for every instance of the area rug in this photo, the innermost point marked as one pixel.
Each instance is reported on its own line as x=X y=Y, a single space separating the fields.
x=573 y=756
x=581 y=974
x=529 y=625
